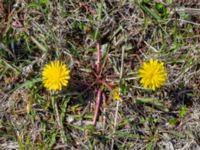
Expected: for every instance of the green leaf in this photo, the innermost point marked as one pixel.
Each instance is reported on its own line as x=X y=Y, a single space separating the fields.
x=91 y=128
x=52 y=139
x=159 y=7
x=39 y=45
x=154 y=102
x=44 y=2
x=64 y=107
x=150 y=146
x=121 y=134
x=28 y=84
x=164 y=11
x=151 y=13
x=172 y=121
x=183 y=111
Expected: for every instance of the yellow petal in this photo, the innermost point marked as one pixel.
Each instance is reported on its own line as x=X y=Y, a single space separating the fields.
x=152 y=74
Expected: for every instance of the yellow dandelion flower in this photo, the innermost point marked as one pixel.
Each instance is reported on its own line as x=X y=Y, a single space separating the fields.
x=116 y=94
x=152 y=74
x=55 y=75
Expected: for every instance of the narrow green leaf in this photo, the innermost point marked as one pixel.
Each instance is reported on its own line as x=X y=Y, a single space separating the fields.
x=39 y=45
x=150 y=12
x=154 y=102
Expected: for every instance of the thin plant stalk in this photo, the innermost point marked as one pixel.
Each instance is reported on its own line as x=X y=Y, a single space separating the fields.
x=97 y=106
x=58 y=120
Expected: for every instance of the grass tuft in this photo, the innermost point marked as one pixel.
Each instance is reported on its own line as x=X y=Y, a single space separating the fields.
x=32 y=33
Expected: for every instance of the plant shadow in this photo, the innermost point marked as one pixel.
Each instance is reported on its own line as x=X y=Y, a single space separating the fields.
x=181 y=96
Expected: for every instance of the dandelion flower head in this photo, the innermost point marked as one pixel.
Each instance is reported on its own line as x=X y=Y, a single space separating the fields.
x=152 y=74
x=55 y=75
x=116 y=94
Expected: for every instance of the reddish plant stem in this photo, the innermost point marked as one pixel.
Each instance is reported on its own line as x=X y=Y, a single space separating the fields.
x=106 y=84
x=99 y=92
x=98 y=59
x=97 y=106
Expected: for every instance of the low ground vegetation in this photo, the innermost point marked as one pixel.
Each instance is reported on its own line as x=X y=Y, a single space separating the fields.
x=127 y=33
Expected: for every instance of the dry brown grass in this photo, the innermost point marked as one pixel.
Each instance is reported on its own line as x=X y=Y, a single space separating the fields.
x=129 y=32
